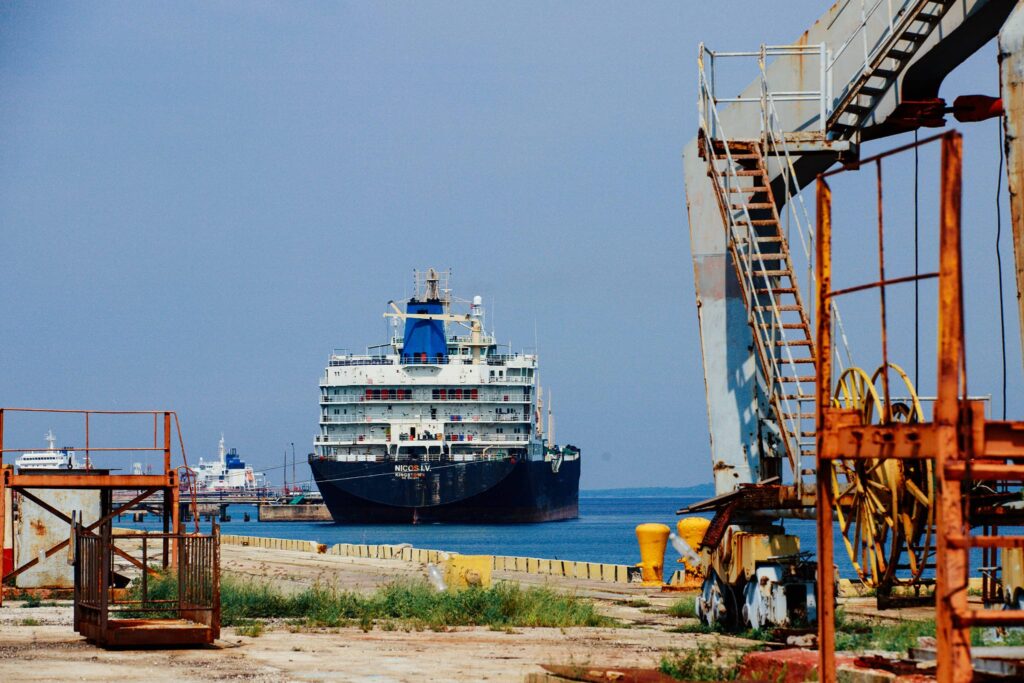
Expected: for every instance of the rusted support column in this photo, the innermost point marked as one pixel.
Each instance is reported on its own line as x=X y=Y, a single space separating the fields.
x=826 y=563
x=1011 y=86
x=954 y=645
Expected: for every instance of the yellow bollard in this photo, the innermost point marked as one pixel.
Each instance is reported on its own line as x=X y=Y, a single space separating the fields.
x=652 y=539
x=692 y=530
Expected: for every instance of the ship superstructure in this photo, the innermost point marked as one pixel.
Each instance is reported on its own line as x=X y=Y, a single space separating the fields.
x=441 y=424
x=228 y=473
x=52 y=458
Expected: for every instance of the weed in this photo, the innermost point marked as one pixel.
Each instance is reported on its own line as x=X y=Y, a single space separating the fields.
x=30 y=622
x=252 y=629
x=413 y=603
x=684 y=607
x=699 y=665
x=634 y=603
x=854 y=635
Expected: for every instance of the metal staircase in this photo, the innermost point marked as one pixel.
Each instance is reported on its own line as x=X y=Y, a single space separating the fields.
x=907 y=30
x=760 y=255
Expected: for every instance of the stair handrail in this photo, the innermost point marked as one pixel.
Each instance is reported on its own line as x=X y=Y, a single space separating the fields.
x=769 y=361
x=898 y=21
x=777 y=141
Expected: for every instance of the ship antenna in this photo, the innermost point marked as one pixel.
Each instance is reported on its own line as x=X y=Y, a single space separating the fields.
x=50 y=439
x=220 y=449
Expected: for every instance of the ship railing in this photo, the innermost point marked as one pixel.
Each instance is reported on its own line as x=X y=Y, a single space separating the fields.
x=427 y=397
x=361 y=360
x=452 y=418
x=334 y=440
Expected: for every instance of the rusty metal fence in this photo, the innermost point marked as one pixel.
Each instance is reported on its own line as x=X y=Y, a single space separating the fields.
x=138 y=602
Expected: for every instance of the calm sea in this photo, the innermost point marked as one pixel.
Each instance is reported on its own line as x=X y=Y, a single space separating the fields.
x=604 y=532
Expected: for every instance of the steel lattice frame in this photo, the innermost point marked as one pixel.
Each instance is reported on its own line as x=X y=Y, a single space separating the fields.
x=963 y=445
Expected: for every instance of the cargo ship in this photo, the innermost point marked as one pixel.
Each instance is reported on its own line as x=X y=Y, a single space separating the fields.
x=440 y=424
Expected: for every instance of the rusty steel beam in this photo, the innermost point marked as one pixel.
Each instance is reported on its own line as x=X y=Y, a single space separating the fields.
x=87 y=481
x=953 y=664
x=986 y=617
x=967 y=542
x=826 y=553
x=983 y=471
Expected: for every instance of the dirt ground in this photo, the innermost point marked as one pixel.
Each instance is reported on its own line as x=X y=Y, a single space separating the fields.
x=39 y=644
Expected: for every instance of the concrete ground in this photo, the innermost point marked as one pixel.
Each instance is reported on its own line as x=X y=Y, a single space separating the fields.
x=38 y=644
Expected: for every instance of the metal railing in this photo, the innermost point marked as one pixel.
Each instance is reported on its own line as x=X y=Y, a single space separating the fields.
x=387 y=419
x=427 y=397
x=882 y=24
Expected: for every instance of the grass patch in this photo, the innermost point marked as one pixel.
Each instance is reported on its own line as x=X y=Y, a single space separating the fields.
x=252 y=629
x=700 y=664
x=31 y=600
x=30 y=622
x=406 y=604
x=857 y=635
x=684 y=607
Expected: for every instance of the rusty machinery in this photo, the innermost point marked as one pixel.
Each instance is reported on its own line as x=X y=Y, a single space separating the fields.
x=863 y=71
x=114 y=569
x=969 y=464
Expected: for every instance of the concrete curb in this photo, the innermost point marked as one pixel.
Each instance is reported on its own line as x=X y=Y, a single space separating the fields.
x=593 y=571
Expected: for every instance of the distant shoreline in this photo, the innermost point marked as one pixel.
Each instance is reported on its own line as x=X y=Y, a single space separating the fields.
x=702 y=490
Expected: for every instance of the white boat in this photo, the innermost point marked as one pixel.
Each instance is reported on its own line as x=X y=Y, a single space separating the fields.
x=228 y=473
x=52 y=458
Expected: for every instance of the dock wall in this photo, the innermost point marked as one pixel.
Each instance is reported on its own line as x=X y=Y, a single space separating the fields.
x=592 y=571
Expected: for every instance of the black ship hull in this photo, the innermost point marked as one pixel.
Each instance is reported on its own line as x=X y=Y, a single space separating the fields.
x=479 y=492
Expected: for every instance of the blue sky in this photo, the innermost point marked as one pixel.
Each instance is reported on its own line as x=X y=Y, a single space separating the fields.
x=198 y=201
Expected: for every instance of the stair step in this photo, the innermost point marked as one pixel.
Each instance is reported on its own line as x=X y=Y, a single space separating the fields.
x=732 y=155
x=777 y=290
x=794 y=342
x=900 y=55
x=781 y=308
x=758 y=222
x=772 y=273
x=741 y=172
x=800 y=360
x=783 y=378
x=754 y=205
x=914 y=37
x=785 y=326
x=795 y=397
x=790 y=416
x=872 y=92
x=737 y=144
x=929 y=18
x=756 y=188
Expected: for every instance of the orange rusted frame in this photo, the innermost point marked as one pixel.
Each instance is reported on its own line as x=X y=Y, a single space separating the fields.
x=87 y=481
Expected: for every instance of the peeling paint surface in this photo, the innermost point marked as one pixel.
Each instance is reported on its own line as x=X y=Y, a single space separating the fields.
x=37 y=530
